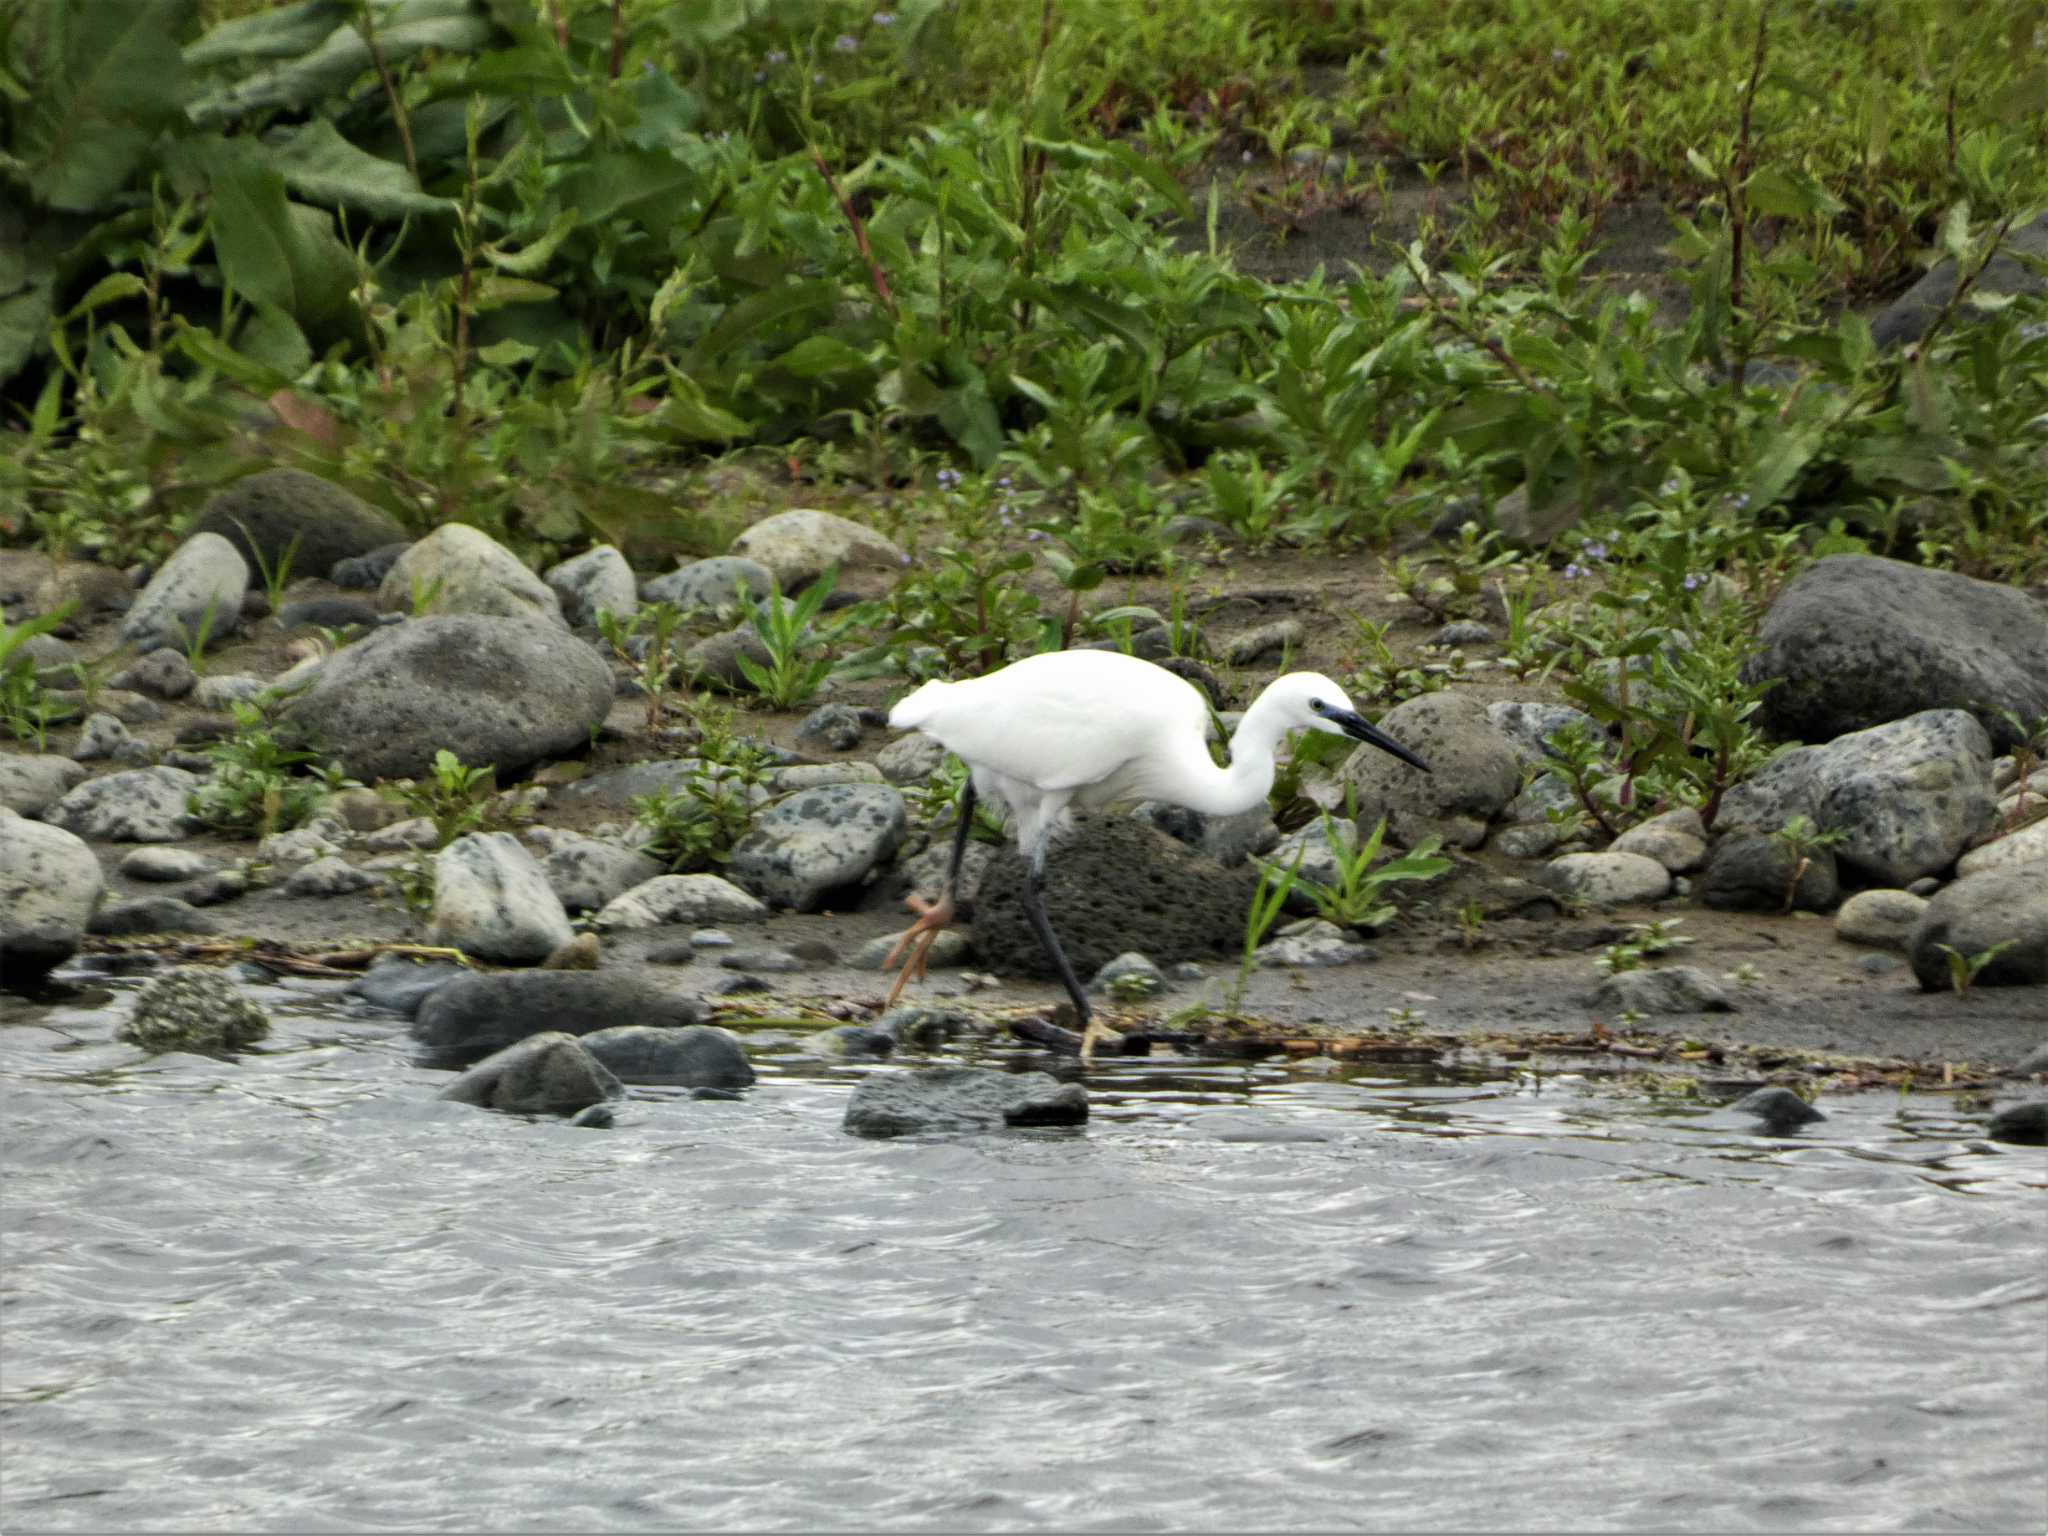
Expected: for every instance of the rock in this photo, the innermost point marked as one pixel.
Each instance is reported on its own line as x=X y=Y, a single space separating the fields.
x=853 y=1042
x=910 y=759
x=940 y=1099
x=193 y=1008
x=2004 y=906
x=223 y=690
x=926 y=874
x=400 y=985
x=2035 y=1061
x=1129 y=976
x=1527 y=527
x=952 y=947
x=474 y=1015
x=2020 y=1125
x=596 y=581
x=2027 y=845
x=712 y=584
x=50 y=884
x=1885 y=918
x=588 y=873
x=716 y=658
x=1309 y=854
x=285 y=514
x=545 y=1074
x=500 y=691
x=766 y=962
x=1112 y=884
x=692 y=1056
x=414 y=832
x=1474 y=771
x=213 y=890
x=803 y=850
x=925 y=1027
x=617 y=788
x=1607 y=879
x=710 y=938
x=301 y=845
x=1909 y=796
x=162 y=674
x=835 y=727
x=331 y=876
x=1312 y=944
x=1527 y=840
x=1926 y=885
x=204 y=576
x=326 y=613
x=30 y=785
x=796 y=776
x=167 y=865
x=1675 y=839
x=1661 y=989
x=101 y=737
x=1878 y=964
x=1906 y=318
x=138 y=805
x=581 y=953
x=1463 y=632
x=667 y=899
x=1780 y=1109
x=492 y=901
x=458 y=569
x=1749 y=873
x=367 y=572
x=797 y=547
x=1859 y=641
x=1529 y=726
x=152 y=914
x=1273 y=639
x=1228 y=840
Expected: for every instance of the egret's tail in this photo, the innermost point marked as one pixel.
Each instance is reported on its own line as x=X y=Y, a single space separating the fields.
x=915 y=709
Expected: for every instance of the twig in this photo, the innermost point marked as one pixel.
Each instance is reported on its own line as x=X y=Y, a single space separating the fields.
x=367 y=25
x=1964 y=283
x=860 y=236
x=1471 y=333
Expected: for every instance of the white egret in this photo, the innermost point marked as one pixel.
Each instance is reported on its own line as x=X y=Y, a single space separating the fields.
x=1090 y=728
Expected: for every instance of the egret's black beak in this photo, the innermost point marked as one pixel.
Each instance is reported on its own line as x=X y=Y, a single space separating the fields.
x=1358 y=728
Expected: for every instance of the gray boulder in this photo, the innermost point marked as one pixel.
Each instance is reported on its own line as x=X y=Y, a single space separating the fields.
x=598 y=580
x=693 y=1056
x=1528 y=726
x=1676 y=839
x=152 y=914
x=952 y=947
x=834 y=727
x=692 y=899
x=492 y=901
x=458 y=569
x=798 y=546
x=1474 y=772
x=712 y=584
x=1859 y=640
x=397 y=984
x=2023 y=846
x=204 y=576
x=926 y=873
x=1748 y=872
x=331 y=876
x=2005 y=906
x=1779 y=1109
x=193 y=1008
x=1607 y=879
x=805 y=848
x=1226 y=839
x=167 y=865
x=50 y=882
x=1906 y=318
x=2020 y=1125
x=546 y=1074
x=287 y=511
x=501 y=691
x=1312 y=944
x=588 y=872
x=140 y=805
x=716 y=658
x=1112 y=884
x=165 y=673
x=910 y=759
x=617 y=788
x=1128 y=976
x=1910 y=795
x=942 y=1099
x=1884 y=918
x=30 y=785
x=474 y=1015
x=1662 y=989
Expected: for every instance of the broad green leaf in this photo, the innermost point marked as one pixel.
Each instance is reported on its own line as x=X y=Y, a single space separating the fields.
x=1790 y=195
x=209 y=351
x=319 y=165
x=2024 y=99
x=535 y=257
x=969 y=418
x=273 y=338
x=817 y=356
x=111 y=289
x=283 y=33
x=760 y=312
x=1789 y=451
x=24 y=322
x=273 y=250
x=105 y=78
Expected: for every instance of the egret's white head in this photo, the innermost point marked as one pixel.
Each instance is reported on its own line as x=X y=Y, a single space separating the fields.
x=1310 y=701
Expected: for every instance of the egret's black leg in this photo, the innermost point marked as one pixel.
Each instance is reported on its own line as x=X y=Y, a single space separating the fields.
x=1034 y=908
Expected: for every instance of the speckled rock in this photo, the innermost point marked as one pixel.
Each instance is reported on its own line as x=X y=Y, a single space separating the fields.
x=1313 y=944
x=1528 y=726
x=2025 y=846
x=1654 y=990
x=1128 y=976
x=50 y=884
x=492 y=901
x=30 y=785
x=1226 y=839
x=139 y=805
x=474 y=1015
x=714 y=584
x=667 y=899
x=204 y=576
x=798 y=546
x=598 y=580
x=167 y=865
x=545 y=1074
x=282 y=513
x=2002 y=906
x=164 y=673
x=1474 y=771
x=588 y=873
x=910 y=759
x=833 y=727
x=193 y=1008
x=467 y=572
x=804 y=849
x=1675 y=839
x=1607 y=879
x=331 y=876
x=952 y=1099
x=954 y=946
x=101 y=737
x=1884 y=918
x=926 y=873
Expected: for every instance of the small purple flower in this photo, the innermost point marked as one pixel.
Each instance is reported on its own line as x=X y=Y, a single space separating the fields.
x=1741 y=500
x=903 y=559
x=1036 y=536
x=1003 y=484
x=885 y=18
x=948 y=478
x=846 y=42
x=1595 y=551
x=776 y=57
x=1559 y=55
x=1575 y=570
x=1668 y=488
x=1694 y=581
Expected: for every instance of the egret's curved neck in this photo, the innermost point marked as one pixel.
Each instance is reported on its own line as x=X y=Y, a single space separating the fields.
x=1246 y=782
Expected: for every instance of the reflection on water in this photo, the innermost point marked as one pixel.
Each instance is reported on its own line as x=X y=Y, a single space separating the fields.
x=295 y=1292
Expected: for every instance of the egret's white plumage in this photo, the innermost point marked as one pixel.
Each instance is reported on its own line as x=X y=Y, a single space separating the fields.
x=1092 y=728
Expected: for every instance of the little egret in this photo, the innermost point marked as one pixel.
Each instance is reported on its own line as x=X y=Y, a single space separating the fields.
x=1088 y=729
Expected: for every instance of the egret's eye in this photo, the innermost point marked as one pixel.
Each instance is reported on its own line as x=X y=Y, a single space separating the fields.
x=1316 y=705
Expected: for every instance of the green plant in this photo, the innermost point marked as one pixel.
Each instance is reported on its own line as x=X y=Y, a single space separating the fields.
x=255 y=788
x=197 y=638
x=646 y=642
x=26 y=707
x=1269 y=900
x=1355 y=898
x=1800 y=839
x=275 y=577
x=1963 y=970
x=695 y=826
x=457 y=799
x=1643 y=941
x=791 y=675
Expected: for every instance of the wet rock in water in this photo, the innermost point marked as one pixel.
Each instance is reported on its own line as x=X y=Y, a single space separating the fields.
x=331 y=876
x=458 y=569
x=198 y=590
x=597 y=581
x=476 y=1014
x=164 y=673
x=1112 y=884
x=798 y=546
x=1779 y=1109
x=1750 y=873
x=287 y=514
x=1859 y=641
x=910 y=759
x=167 y=865
x=713 y=584
x=1529 y=726
x=1676 y=839
x=2020 y=1125
x=2025 y=846
x=804 y=849
x=1662 y=989
x=926 y=873
x=501 y=691
x=1226 y=839
x=952 y=947
x=1128 y=976
x=588 y=873
x=1979 y=912
x=693 y=1056
x=1474 y=771
x=1311 y=944
x=50 y=883
x=546 y=1074
x=152 y=914
x=835 y=727
x=492 y=901
x=30 y=785
x=326 y=613
x=668 y=899
x=924 y=1026
x=1607 y=879
x=1909 y=796
x=400 y=985
x=138 y=805
x=193 y=1008
x=1885 y=918
x=363 y=573
x=853 y=1042
x=941 y=1099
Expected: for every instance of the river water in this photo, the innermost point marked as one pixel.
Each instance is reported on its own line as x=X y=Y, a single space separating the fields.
x=293 y=1293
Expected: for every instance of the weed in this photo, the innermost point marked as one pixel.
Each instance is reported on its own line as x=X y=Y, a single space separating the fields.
x=1354 y=898
x=27 y=708
x=1643 y=941
x=1963 y=969
x=458 y=799
x=1269 y=900
x=646 y=642
x=1800 y=839
x=275 y=577
x=792 y=676
x=255 y=788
